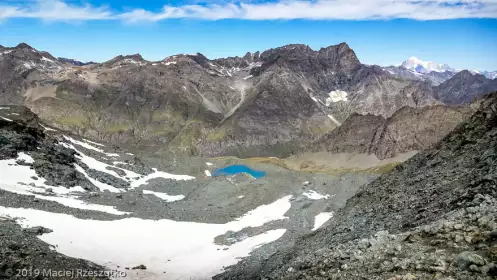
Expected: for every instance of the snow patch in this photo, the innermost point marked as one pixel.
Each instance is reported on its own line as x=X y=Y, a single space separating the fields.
x=112 y=155
x=209 y=163
x=165 y=196
x=208 y=173
x=47 y=60
x=27 y=158
x=89 y=147
x=83 y=144
x=47 y=128
x=9 y=120
x=335 y=96
x=94 y=143
x=321 y=218
x=160 y=174
x=334 y=120
x=315 y=196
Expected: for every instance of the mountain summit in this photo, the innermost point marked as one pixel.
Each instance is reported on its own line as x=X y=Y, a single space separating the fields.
x=415 y=64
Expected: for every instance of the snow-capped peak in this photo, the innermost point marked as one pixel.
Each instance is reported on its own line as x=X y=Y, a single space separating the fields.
x=417 y=65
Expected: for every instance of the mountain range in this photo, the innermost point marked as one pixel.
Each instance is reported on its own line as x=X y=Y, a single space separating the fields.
x=416 y=69
x=272 y=103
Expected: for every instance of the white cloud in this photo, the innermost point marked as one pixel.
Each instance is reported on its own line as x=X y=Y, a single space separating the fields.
x=281 y=9
x=54 y=10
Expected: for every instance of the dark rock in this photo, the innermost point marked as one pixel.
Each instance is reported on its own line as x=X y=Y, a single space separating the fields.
x=493 y=234
x=141 y=266
x=107 y=178
x=38 y=230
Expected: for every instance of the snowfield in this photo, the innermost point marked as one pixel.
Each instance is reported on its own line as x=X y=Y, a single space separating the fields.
x=135 y=179
x=169 y=249
x=18 y=179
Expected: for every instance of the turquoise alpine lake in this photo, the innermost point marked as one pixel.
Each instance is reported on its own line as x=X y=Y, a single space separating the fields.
x=239 y=168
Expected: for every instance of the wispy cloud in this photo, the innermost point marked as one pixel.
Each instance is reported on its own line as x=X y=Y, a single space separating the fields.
x=54 y=10
x=249 y=10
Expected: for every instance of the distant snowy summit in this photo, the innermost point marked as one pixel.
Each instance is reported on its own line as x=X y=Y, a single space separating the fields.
x=416 y=69
x=424 y=67
x=415 y=64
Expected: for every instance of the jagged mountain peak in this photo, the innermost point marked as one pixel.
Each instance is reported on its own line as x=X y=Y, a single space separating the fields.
x=344 y=45
x=23 y=46
x=341 y=56
x=286 y=51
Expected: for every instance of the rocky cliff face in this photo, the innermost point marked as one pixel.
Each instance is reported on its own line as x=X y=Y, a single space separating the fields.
x=407 y=130
x=432 y=216
x=270 y=103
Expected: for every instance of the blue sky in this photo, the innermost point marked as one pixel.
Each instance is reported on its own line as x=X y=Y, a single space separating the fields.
x=462 y=34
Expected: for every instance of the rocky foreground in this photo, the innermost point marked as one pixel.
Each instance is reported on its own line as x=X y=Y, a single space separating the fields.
x=433 y=217
x=22 y=255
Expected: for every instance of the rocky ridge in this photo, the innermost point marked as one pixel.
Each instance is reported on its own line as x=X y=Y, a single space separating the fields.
x=409 y=129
